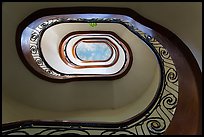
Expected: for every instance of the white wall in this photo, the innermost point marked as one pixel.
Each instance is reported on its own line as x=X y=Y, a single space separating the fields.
x=184 y=19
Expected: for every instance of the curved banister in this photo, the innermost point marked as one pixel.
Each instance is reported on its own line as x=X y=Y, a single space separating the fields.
x=188 y=116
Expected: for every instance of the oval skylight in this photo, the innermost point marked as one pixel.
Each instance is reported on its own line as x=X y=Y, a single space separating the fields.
x=102 y=52
x=68 y=47
x=66 y=51
x=95 y=51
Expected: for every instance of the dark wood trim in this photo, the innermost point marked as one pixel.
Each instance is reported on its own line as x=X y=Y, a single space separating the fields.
x=123 y=44
x=91 y=124
x=188 y=116
x=80 y=77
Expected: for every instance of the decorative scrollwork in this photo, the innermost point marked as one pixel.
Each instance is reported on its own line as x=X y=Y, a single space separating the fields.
x=155 y=121
x=169 y=101
x=156 y=125
x=39 y=61
x=33 y=49
x=34 y=45
x=34 y=36
x=164 y=53
x=171 y=75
